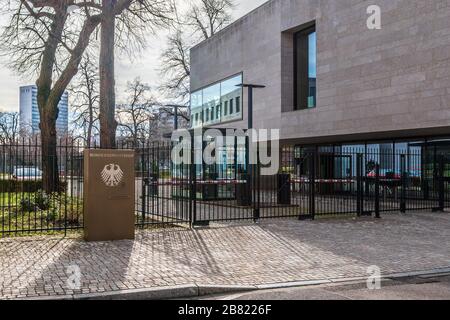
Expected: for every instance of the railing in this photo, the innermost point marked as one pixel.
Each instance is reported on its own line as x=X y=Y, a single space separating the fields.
x=24 y=206
x=309 y=185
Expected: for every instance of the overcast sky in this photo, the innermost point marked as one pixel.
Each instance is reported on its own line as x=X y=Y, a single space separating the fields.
x=144 y=67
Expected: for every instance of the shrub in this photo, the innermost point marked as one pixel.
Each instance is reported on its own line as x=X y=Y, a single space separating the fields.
x=27 y=205
x=10 y=185
x=52 y=214
x=42 y=200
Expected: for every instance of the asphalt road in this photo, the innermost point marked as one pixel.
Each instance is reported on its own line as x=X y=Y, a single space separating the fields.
x=421 y=288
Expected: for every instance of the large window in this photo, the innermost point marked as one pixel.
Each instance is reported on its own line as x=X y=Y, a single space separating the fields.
x=218 y=103
x=305 y=69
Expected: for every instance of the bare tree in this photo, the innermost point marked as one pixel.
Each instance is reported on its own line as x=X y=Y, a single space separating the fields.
x=204 y=19
x=9 y=127
x=43 y=38
x=210 y=16
x=124 y=25
x=176 y=66
x=137 y=117
x=85 y=105
x=178 y=113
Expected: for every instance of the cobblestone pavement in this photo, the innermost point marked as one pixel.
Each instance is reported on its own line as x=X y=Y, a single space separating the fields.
x=270 y=252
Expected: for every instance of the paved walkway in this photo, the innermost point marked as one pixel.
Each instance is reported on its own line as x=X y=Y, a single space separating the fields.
x=271 y=252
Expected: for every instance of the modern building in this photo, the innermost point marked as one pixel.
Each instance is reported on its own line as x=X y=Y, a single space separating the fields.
x=331 y=82
x=29 y=112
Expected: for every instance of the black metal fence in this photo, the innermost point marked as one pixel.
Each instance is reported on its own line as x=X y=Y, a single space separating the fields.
x=24 y=206
x=310 y=183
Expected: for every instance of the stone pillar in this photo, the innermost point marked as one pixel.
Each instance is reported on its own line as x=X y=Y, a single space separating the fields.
x=109 y=191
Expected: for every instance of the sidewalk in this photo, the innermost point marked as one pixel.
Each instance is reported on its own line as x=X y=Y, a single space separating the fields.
x=276 y=251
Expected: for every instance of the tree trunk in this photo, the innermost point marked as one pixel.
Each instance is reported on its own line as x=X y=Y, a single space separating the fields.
x=108 y=124
x=50 y=178
x=48 y=107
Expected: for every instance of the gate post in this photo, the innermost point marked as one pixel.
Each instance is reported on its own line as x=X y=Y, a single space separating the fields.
x=109 y=195
x=144 y=183
x=403 y=183
x=256 y=187
x=359 y=185
x=425 y=182
x=312 y=184
x=193 y=188
x=377 y=191
x=441 y=184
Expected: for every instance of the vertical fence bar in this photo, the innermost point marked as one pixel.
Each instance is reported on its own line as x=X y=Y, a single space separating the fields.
x=312 y=184
x=255 y=174
x=404 y=182
x=194 y=184
x=377 y=191
x=144 y=182
x=441 y=183
x=192 y=174
x=359 y=185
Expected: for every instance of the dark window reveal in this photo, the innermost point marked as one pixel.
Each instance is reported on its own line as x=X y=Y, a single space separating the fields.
x=305 y=74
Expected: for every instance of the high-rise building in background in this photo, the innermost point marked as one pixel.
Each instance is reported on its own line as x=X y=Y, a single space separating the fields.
x=29 y=112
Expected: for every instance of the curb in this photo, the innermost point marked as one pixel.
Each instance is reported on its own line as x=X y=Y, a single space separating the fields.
x=160 y=293
x=194 y=290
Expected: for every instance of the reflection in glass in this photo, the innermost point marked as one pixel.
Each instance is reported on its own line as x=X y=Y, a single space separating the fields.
x=312 y=70
x=217 y=103
x=211 y=99
x=229 y=92
x=196 y=108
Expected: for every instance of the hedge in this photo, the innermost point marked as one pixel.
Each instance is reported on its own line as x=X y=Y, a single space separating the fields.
x=11 y=185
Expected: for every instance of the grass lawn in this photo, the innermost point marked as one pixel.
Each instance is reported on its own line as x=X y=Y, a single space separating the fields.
x=17 y=219
x=13 y=199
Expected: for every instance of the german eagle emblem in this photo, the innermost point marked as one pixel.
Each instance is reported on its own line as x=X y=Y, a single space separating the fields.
x=112 y=175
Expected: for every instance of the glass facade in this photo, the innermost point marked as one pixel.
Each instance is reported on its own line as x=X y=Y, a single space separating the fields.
x=420 y=156
x=217 y=103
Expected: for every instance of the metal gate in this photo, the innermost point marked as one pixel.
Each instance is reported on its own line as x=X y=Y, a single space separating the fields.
x=310 y=183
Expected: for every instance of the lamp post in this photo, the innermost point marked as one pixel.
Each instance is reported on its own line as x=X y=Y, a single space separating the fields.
x=250 y=176
x=250 y=88
x=175 y=107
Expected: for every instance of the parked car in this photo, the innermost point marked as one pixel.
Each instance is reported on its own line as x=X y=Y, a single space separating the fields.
x=27 y=173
